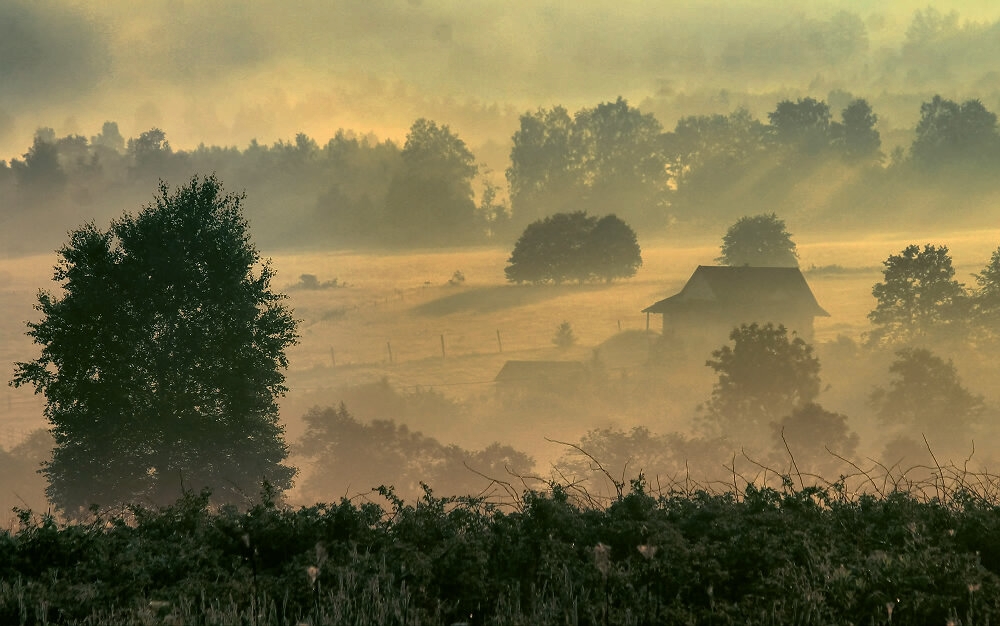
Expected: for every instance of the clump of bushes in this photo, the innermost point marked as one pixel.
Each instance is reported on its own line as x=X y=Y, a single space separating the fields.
x=766 y=554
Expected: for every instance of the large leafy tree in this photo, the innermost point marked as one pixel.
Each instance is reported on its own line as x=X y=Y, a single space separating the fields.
x=952 y=133
x=918 y=297
x=926 y=396
x=551 y=249
x=804 y=124
x=986 y=300
x=608 y=155
x=856 y=134
x=611 y=250
x=574 y=246
x=620 y=161
x=760 y=241
x=763 y=376
x=430 y=200
x=162 y=356
x=542 y=176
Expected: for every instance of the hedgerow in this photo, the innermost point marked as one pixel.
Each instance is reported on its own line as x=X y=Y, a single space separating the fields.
x=766 y=554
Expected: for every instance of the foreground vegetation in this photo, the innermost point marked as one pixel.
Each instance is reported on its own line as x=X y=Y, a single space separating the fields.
x=912 y=553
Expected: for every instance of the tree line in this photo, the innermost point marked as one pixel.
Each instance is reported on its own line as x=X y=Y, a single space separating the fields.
x=611 y=158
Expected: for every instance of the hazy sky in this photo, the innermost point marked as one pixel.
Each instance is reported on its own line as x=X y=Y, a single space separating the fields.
x=227 y=71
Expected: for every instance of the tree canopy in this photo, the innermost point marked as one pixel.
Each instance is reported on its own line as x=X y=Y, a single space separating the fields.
x=763 y=377
x=926 y=395
x=986 y=300
x=430 y=200
x=760 y=241
x=804 y=124
x=162 y=356
x=574 y=246
x=949 y=133
x=918 y=297
x=607 y=155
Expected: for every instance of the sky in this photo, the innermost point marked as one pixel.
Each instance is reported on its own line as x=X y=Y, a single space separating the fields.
x=224 y=72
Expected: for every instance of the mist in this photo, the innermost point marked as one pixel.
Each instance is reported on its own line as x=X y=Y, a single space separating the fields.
x=225 y=73
x=331 y=117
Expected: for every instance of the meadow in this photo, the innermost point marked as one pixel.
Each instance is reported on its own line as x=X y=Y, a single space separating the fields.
x=404 y=319
x=885 y=544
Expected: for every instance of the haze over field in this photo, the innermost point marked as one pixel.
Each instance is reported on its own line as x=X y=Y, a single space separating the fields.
x=392 y=153
x=224 y=73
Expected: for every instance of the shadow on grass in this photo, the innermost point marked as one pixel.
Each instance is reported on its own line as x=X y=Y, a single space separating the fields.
x=497 y=298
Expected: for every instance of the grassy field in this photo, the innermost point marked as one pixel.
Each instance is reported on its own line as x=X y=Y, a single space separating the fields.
x=404 y=303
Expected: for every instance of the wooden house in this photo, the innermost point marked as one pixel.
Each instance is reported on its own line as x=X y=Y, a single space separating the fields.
x=717 y=299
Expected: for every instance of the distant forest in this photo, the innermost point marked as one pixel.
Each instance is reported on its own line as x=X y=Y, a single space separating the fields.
x=819 y=165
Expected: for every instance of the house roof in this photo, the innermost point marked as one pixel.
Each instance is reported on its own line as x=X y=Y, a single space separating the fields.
x=540 y=372
x=783 y=288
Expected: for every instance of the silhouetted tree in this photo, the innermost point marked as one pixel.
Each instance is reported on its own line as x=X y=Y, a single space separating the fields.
x=926 y=395
x=109 y=137
x=918 y=297
x=430 y=200
x=550 y=249
x=149 y=153
x=542 y=177
x=763 y=377
x=162 y=356
x=804 y=124
x=986 y=300
x=40 y=170
x=564 y=337
x=812 y=433
x=351 y=457
x=606 y=156
x=618 y=155
x=856 y=134
x=949 y=133
x=760 y=241
x=708 y=155
x=574 y=246
x=709 y=146
x=611 y=250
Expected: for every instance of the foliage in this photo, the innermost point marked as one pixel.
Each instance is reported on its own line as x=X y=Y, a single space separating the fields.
x=430 y=200
x=760 y=241
x=574 y=246
x=808 y=556
x=807 y=126
x=949 y=133
x=813 y=435
x=763 y=377
x=926 y=396
x=804 y=124
x=856 y=134
x=608 y=155
x=985 y=300
x=357 y=190
x=161 y=359
x=564 y=337
x=918 y=298
x=351 y=456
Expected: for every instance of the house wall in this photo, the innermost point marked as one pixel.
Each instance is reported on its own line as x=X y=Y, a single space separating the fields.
x=701 y=332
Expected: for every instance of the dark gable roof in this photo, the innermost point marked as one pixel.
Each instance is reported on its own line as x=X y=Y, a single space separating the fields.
x=540 y=372
x=737 y=287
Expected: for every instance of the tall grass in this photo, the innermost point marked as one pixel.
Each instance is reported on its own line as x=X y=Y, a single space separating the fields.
x=869 y=548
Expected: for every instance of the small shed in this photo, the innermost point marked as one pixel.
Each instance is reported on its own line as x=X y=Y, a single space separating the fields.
x=518 y=379
x=716 y=299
